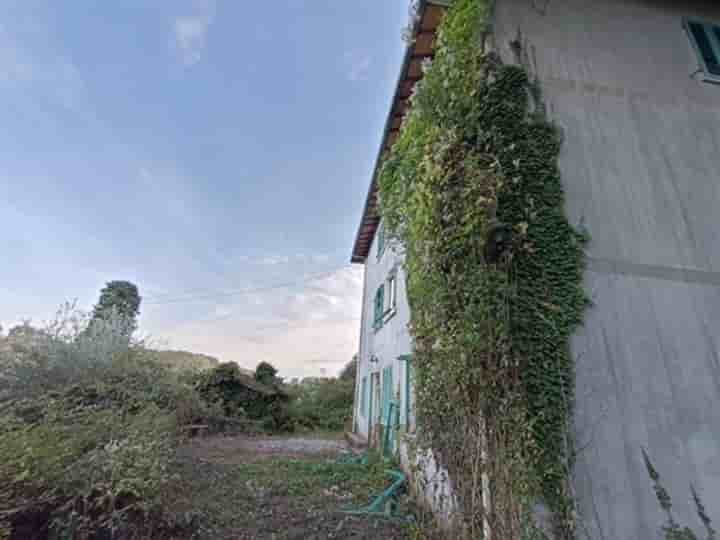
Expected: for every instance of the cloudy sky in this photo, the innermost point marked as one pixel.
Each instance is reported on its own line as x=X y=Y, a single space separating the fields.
x=216 y=153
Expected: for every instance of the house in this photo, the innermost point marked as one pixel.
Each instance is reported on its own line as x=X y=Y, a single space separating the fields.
x=384 y=358
x=633 y=85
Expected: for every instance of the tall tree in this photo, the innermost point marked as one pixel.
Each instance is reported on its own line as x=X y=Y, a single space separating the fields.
x=349 y=372
x=266 y=374
x=118 y=299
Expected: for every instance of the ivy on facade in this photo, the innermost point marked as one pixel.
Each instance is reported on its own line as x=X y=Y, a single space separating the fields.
x=476 y=159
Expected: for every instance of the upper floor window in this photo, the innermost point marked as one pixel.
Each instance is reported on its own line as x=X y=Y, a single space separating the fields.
x=379 y=307
x=705 y=38
x=385 y=303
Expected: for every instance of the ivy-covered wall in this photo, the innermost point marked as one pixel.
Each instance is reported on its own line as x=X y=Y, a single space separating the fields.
x=639 y=170
x=472 y=189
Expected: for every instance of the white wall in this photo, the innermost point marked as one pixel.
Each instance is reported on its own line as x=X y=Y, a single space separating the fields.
x=641 y=169
x=392 y=340
x=429 y=481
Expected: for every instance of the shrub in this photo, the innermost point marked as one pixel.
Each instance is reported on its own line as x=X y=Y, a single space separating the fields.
x=324 y=404
x=86 y=416
x=242 y=396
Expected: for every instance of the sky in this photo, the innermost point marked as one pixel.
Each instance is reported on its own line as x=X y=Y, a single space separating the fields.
x=214 y=152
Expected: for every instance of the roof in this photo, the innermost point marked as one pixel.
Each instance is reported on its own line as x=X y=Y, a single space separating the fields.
x=424 y=30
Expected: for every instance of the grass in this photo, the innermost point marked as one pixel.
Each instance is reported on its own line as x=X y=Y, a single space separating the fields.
x=284 y=497
x=301 y=477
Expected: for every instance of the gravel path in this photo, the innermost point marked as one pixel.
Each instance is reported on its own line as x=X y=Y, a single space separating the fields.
x=244 y=449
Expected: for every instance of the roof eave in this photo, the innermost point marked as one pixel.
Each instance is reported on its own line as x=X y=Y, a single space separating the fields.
x=359 y=254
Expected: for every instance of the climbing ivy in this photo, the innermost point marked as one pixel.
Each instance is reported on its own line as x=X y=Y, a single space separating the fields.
x=476 y=158
x=672 y=530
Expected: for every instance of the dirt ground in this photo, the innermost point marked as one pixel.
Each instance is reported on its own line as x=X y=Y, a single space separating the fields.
x=239 y=450
x=289 y=488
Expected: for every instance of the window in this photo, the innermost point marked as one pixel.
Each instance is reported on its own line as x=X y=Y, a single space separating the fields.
x=385 y=301
x=705 y=38
x=380 y=241
x=379 y=307
x=363 y=397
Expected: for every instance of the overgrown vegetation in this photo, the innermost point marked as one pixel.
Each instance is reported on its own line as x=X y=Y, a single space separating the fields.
x=323 y=404
x=472 y=189
x=244 y=397
x=88 y=427
x=91 y=420
x=184 y=361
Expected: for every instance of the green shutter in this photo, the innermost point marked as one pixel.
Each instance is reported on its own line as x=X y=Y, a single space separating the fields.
x=706 y=39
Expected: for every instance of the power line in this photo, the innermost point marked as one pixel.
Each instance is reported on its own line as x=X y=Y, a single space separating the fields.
x=243 y=292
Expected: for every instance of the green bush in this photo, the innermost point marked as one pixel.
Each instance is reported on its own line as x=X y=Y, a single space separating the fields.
x=88 y=428
x=322 y=405
x=241 y=396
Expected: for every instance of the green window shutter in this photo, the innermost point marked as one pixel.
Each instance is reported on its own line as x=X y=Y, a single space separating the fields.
x=375 y=308
x=706 y=39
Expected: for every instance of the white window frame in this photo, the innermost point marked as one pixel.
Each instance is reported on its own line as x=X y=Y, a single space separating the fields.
x=390 y=295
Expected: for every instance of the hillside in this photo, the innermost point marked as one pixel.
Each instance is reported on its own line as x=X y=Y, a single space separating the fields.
x=184 y=360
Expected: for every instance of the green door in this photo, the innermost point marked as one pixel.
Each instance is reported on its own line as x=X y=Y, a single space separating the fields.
x=389 y=414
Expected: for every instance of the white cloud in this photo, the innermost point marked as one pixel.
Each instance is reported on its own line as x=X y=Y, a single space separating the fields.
x=274 y=260
x=320 y=259
x=277 y=259
x=190 y=31
x=222 y=311
x=300 y=332
x=358 y=65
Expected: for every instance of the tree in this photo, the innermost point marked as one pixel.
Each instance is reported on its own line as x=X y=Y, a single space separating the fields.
x=265 y=374
x=349 y=372
x=118 y=299
x=26 y=333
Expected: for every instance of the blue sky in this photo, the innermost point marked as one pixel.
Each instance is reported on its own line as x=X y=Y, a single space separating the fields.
x=207 y=146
